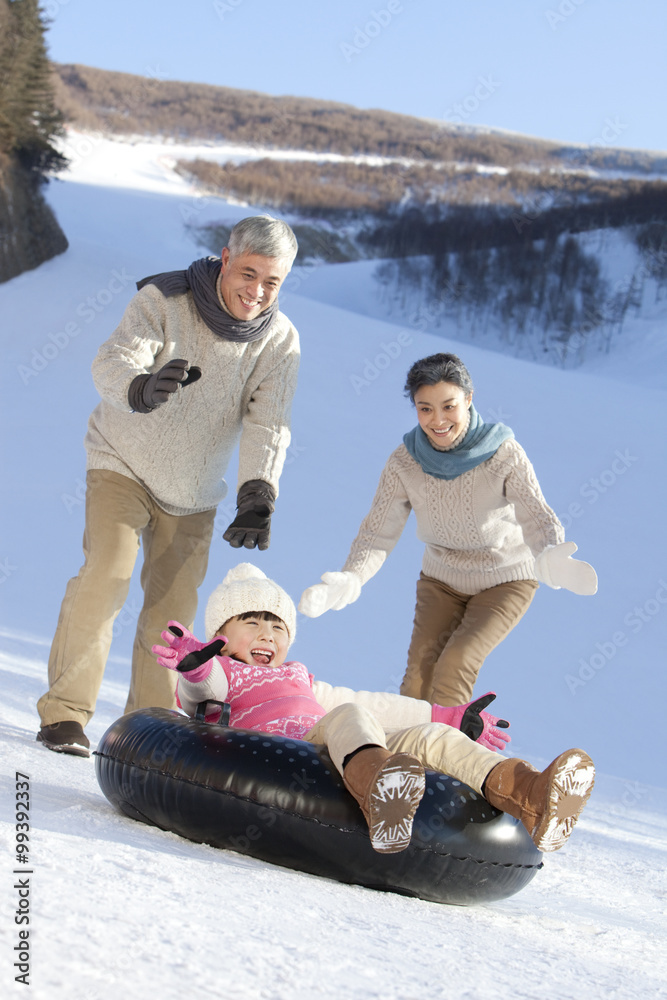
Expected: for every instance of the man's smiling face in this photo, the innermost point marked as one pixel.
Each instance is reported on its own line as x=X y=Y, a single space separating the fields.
x=250 y=282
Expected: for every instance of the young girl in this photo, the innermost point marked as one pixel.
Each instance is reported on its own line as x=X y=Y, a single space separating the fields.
x=379 y=742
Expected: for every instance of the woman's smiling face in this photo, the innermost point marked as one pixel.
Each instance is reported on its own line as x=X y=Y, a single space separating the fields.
x=255 y=640
x=442 y=412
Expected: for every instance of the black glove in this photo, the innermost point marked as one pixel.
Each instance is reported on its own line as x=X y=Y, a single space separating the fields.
x=472 y=724
x=194 y=660
x=146 y=392
x=251 y=527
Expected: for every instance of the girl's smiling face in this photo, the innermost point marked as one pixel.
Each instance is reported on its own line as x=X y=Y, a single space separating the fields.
x=442 y=412
x=256 y=640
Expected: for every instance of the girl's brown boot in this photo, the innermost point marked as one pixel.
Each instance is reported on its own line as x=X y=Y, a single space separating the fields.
x=388 y=787
x=548 y=802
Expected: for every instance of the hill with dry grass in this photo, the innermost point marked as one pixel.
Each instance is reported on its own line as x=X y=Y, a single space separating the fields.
x=470 y=220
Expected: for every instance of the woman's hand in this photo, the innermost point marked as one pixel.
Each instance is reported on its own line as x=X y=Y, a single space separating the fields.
x=557 y=569
x=335 y=592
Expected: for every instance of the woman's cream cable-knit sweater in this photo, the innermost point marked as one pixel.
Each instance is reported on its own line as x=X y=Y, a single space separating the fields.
x=179 y=452
x=483 y=528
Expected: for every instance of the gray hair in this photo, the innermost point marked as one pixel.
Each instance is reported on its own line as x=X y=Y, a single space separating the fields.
x=438 y=368
x=265 y=236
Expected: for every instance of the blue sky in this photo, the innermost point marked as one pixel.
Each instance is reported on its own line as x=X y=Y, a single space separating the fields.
x=588 y=71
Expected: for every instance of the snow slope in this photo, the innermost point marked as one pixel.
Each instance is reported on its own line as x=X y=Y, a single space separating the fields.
x=119 y=908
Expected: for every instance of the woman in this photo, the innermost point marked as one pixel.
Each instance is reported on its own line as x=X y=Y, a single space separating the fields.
x=490 y=535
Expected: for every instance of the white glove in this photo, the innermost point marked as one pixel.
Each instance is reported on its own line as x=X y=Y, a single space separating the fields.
x=335 y=592
x=555 y=568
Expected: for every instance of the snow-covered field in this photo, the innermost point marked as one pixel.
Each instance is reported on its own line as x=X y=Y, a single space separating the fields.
x=117 y=908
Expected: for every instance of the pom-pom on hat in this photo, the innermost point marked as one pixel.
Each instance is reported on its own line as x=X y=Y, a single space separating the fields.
x=247 y=588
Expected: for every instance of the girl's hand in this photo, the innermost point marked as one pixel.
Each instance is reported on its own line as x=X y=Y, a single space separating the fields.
x=198 y=657
x=478 y=725
x=181 y=643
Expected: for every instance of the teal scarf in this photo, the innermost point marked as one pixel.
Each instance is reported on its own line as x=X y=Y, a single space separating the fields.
x=480 y=442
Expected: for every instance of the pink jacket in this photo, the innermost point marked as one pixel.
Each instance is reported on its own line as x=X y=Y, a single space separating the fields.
x=271 y=699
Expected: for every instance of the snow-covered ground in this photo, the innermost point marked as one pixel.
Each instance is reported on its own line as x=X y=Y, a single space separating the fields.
x=118 y=908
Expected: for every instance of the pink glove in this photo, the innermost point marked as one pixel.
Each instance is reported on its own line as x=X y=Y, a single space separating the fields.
x=184 y=652
x=477 y=725
x=180 y=643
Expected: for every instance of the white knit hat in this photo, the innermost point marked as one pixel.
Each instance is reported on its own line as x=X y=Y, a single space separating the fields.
x=246 y=588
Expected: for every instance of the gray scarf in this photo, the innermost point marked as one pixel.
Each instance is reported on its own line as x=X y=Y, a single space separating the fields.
x=201 y=279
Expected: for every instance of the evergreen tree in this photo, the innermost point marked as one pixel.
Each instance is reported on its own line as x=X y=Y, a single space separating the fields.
x=29 y=120
x=29 y=124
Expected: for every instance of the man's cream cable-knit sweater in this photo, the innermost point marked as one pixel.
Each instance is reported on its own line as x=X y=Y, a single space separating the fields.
x=481 y=529
x=179 y=452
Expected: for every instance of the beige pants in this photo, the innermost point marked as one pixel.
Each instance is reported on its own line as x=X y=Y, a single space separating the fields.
x=453 y=633
x=438 y=747
x=121 y=515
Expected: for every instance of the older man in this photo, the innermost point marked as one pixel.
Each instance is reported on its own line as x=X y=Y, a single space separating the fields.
x=201 y=358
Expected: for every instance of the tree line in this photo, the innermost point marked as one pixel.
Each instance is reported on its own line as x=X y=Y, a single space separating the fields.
x=416 y=196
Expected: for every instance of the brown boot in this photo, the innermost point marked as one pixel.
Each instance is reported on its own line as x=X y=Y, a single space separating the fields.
x=388 y=787
x=548 y=802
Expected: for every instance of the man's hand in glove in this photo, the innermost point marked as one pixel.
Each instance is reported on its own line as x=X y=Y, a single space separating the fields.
x=251 y=527
x=147 y=392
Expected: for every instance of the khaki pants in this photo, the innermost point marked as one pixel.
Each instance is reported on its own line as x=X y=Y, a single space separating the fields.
x=439 y=747
x=453 y=633
x=120 y=515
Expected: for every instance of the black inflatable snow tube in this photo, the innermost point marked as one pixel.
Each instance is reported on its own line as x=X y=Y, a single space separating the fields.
x=281 y=800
